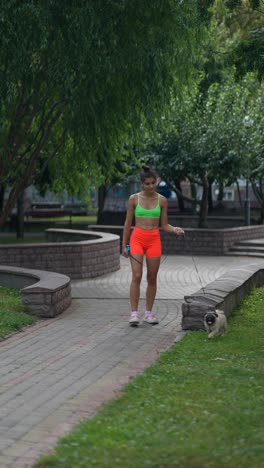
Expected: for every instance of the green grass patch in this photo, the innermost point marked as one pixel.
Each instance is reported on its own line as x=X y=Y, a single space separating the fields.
x=201 y=405
x=37 y=226
x=13 y=315
x=27 y=240
x=92 y=219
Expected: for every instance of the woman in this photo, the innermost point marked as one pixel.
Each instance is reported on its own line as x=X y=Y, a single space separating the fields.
x=149 y=209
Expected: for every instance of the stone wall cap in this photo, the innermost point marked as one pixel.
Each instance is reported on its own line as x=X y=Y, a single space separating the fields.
x=46 y=285
x=220 y=287
x=233 y=229
x=45 y=280
x=102 y=236
x=106 y=226
x=203 y=298
x=22 y=271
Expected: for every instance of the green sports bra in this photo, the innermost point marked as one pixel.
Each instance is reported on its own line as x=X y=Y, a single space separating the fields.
x=141 y=212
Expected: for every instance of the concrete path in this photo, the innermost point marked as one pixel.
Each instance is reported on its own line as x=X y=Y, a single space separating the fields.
x=56 y=373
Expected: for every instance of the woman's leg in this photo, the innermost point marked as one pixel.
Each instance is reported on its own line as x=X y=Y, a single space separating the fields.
x=153 y=264
x=136 y=260
x=137 y=267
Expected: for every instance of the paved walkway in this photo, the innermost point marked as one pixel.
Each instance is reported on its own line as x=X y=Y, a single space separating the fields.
x=61 y=370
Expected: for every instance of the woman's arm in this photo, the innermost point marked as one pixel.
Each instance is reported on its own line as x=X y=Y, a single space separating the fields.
x=164 y=219
x=128 y=223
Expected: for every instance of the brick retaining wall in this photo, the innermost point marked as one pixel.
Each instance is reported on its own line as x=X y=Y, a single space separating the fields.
x=198 y=241
x=176 y=219
x=226 y=293
x=45 y=294
x=77 y=259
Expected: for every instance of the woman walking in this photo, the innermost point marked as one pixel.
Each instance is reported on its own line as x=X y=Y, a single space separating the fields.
x=150 y=210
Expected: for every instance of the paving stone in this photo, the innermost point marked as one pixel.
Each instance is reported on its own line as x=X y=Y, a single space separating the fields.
x=61 y=370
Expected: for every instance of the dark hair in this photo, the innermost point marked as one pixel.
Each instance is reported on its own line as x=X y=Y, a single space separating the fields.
x=146 y=173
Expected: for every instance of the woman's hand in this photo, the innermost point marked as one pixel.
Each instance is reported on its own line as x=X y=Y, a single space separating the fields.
x=124 y=252
x=179 y=231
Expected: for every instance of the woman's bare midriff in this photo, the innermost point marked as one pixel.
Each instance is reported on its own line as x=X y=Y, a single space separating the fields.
x=147 y=224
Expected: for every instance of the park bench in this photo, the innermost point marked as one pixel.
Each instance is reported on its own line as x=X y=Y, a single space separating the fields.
x=47 y=211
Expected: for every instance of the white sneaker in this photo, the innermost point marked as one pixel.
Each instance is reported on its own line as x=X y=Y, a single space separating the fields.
x=150 y=318
x=134 y=319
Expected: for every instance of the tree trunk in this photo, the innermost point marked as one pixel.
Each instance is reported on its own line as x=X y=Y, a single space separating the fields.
x=11 y=203
x=194 y=196
x=220 y=196
x=221 y=192
x=179 y=198
x=192 y=200
x=261 y=219
x=204 y=204
x=239 y=194
x=102 y=192
x=210 y=198
x=20 y=217
x=2 y=197
x=259 y=194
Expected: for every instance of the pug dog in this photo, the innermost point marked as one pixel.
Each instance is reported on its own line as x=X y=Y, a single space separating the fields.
x=215 y=323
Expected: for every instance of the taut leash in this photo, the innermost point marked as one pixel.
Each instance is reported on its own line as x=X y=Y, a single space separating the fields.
x=196 y=268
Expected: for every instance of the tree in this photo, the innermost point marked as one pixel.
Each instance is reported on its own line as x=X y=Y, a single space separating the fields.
x=123 y=170
x=240 y=25
x=76 y=82
x=208 y=141
x=178 y=156
x=253 y=142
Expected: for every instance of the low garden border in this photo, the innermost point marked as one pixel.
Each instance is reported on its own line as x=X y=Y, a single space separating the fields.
x=44 y=293
x=78 y=254
x=197 y=241
x=226 y=293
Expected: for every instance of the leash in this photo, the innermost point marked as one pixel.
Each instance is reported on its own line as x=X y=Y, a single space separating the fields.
x=194 y=262
x=192 y=256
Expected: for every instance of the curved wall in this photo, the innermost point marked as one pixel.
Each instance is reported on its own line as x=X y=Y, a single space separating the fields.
x=44 y=293
x=97 y=254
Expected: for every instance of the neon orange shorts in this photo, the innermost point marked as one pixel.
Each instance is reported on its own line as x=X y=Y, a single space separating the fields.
x=146 y=242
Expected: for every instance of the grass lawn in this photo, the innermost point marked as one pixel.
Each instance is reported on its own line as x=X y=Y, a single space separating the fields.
x=92 y=219
x=12 y=312
x=27 y=239
x=36 y=234
x=201 y=405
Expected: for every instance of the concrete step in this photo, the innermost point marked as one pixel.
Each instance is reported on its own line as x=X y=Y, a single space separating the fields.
x=246 y=248
x=245 y=254
x=251 y=247
x=251 y=243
